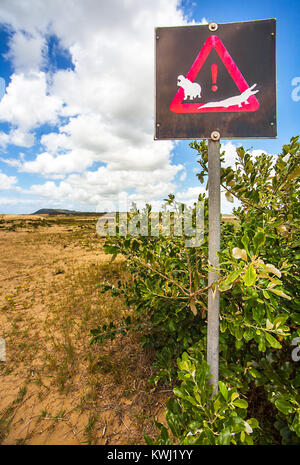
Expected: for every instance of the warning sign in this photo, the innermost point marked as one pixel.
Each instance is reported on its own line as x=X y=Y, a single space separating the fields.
x=220 y=80
x=245 y=101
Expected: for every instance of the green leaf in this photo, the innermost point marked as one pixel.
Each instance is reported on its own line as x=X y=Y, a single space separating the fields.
x=261 y=345
x=266 y=295
x=280 y=320
x=224 y=436
x=180 y=393
x=224 y=390
x=217 y=405
x=232 y=276
x=258 y=313
x=253 y=422
x=250 y=276
x=173 y=406
x=296 y=318
x=248 y=334
x=173 y=423
x=296 y=424
x=272 y=341
x=234 y=396
x=245 y=242
x=284 y=406
x=280 y=293
x=226 y=284
x=163 y=431
x=259 y=240
x=241 y=403
x=253 y=372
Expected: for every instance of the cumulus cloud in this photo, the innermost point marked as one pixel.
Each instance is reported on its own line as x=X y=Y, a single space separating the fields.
x=190 y=195
x=16 y=137
x=4 y=201
x=26 y=103
x=104 y=185
x=231 y=155
x=101 y=108
x=7 y=182
x=26 y=51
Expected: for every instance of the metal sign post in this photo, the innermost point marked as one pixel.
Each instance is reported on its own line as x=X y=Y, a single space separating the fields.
x=214 y=217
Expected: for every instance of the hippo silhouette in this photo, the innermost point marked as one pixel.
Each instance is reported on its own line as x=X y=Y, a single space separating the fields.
x=191 y=89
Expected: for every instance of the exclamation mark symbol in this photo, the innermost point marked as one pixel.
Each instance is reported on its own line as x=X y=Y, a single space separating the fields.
x=214 y=74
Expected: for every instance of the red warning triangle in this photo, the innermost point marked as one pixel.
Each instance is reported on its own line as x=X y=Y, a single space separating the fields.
x=246 y=101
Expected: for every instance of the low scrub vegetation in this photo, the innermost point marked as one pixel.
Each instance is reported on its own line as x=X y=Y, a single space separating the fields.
x=166 y=288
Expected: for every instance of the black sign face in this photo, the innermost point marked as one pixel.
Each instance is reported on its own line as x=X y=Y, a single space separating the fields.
x=216 y=78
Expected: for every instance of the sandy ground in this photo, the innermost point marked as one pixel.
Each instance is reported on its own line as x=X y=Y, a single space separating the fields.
x=54 y=387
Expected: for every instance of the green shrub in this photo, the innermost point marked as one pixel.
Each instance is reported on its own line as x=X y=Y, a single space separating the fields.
x=196 y=417
x=259 y=307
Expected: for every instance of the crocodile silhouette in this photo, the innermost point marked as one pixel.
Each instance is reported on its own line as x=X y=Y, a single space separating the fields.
x=231 y=101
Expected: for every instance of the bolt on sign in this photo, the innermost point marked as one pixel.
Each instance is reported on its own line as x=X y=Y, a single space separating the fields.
x=216 y=77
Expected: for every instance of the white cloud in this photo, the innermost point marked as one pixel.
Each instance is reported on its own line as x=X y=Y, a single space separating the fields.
x=73 y=19
x=190 y=195
x=14 y=162
x=16 y=137
x=4 y=139
x=26 y=103
x=11 y=162
x=257 y=152
x=48 y=164
x=104 y=184
x=7 y=182
x=108 y=97
x=15 y=201
x=230 y=154
x=26 y=51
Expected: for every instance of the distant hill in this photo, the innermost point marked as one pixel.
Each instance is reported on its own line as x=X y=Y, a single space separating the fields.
x=57 y=211
x=53 y=211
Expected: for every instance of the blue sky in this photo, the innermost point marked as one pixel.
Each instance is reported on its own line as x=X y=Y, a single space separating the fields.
x=76 y=118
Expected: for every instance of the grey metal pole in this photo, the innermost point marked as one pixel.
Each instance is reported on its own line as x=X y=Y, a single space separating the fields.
x=214 y=169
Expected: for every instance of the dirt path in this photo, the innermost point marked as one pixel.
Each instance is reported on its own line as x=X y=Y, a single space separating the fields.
x=54 y=387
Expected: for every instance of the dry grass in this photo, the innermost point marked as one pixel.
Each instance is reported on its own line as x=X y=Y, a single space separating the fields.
x=55 y=388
